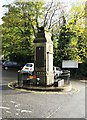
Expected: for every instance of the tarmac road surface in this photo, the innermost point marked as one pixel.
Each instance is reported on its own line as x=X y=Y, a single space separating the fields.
x=26 y=104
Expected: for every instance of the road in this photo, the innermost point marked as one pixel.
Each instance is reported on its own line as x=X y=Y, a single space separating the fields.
x=26 y=104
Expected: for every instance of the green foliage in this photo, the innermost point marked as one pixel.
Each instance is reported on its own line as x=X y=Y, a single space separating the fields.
x=64 y=42
x=21 y=24
x=72 y=37
x=19 y=29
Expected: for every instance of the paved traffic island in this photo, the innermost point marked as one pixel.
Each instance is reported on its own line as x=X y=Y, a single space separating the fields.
x=65 y=88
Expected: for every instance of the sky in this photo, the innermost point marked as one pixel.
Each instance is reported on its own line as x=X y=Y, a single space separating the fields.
x=3 y=2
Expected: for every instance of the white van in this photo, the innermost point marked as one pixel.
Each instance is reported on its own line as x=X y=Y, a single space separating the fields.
x=28 y=68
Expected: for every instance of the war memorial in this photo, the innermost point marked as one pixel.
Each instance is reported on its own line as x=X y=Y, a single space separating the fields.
x=43 y=76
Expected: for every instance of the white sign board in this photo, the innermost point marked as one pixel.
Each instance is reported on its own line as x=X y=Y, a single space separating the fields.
x=69 y=64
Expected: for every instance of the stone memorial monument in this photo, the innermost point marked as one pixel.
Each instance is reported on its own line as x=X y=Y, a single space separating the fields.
x=43 y=57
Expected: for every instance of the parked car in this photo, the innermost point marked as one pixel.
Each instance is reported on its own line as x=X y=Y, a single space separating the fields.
x=2 y=61
x=10 y=64
x=57 y=71
x=28 y=68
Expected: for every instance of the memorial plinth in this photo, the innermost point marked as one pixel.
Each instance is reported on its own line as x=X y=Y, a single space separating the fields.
x=43 y=57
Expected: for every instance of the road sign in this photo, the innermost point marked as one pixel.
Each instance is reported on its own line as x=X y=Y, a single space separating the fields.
x=69 y=64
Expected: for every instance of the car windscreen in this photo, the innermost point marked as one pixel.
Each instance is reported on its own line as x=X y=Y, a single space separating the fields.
x=57 y=68
x=6 y=62
x=28 y=65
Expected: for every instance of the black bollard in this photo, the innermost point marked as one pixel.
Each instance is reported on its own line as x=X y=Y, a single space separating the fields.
x=18 y=77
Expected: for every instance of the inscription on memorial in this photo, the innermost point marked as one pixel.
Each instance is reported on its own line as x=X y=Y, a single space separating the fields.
x=40 y=56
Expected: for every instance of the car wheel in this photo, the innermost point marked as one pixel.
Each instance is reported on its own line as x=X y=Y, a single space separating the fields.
x=6 y=68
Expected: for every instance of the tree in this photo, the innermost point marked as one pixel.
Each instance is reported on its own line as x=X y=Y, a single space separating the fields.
x=71 y=40
x=21 y=24
x=78 y=27
x=19 y=29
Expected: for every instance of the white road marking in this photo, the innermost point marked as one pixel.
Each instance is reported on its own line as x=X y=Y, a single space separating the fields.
x=8 y=111
x=17 y=114
x=53 y=113
x=17 y=105
x=25 y=111
x=12 y=101
x=1 y=107
x=18 y=109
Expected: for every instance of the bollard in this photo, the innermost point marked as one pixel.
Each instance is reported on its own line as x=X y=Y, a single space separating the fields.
x=18 y=77
x=38 y=81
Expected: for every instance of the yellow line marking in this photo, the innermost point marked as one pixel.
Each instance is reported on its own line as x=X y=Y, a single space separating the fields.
x=43 y=92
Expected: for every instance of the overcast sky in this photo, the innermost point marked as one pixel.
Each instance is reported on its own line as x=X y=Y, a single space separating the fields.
x=3 y=2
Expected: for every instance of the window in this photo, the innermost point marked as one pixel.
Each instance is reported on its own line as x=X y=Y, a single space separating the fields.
x=9 y=63
x=14 y=63
x=57 y=68
x=28 y=65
